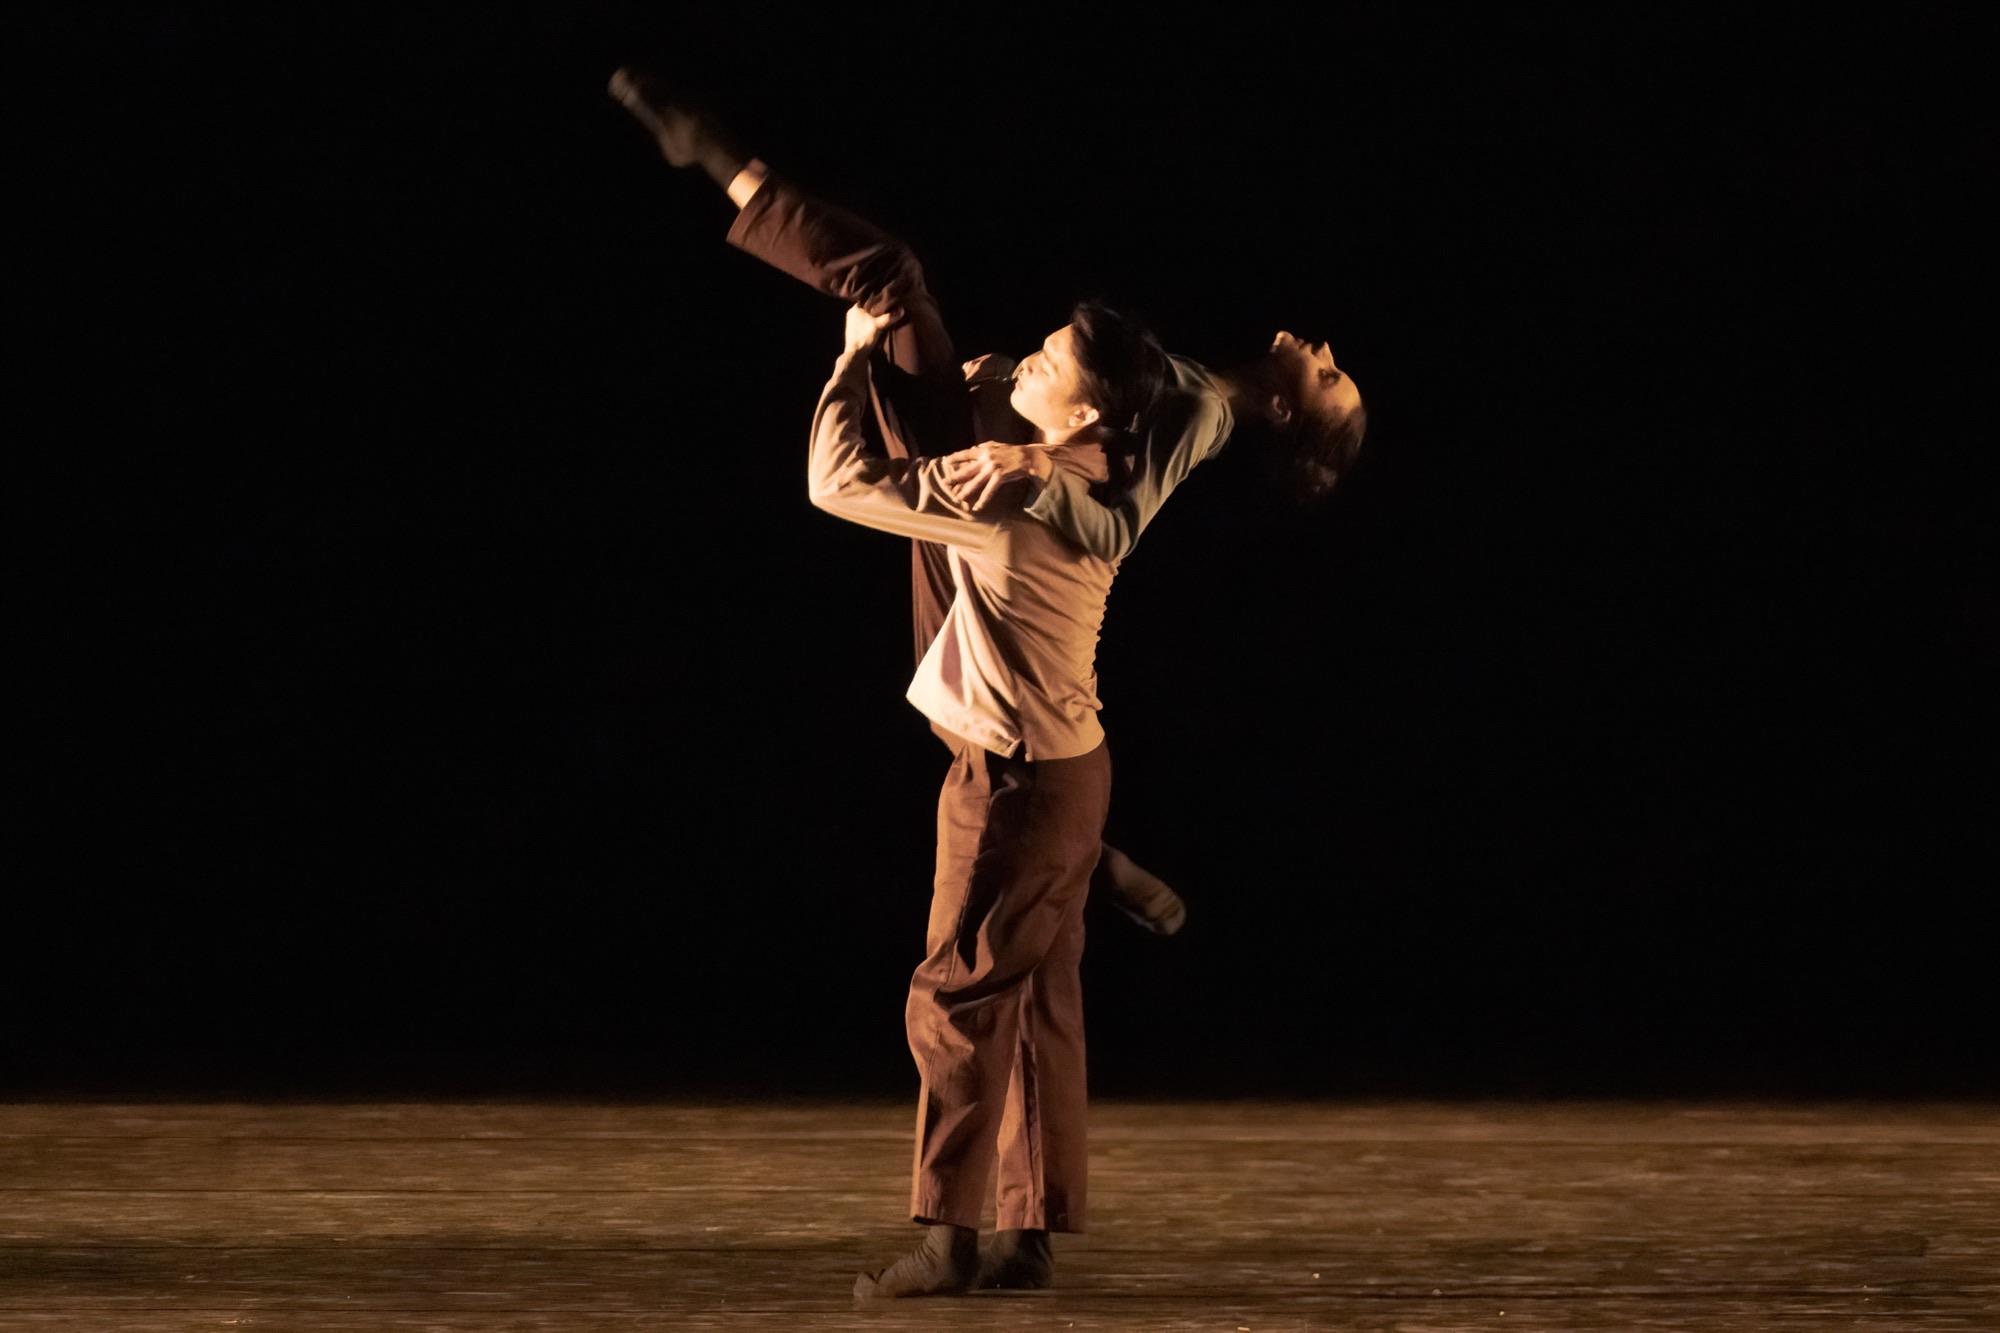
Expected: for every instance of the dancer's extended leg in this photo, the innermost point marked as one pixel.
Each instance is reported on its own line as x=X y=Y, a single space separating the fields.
x=916 y=380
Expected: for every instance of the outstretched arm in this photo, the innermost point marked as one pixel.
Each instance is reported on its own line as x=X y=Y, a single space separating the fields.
x=900 y=495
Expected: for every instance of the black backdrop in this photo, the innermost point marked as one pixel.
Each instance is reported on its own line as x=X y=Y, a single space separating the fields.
x=454 y=691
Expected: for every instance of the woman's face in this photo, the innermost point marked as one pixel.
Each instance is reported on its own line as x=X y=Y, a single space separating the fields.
x=1315 y=383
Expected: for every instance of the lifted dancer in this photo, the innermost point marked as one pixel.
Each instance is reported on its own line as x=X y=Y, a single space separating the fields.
x=920 y=392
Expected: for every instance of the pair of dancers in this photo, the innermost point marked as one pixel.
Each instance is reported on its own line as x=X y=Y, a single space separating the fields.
x=1022 y=486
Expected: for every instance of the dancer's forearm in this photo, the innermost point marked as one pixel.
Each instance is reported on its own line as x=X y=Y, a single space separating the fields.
x=906 y=497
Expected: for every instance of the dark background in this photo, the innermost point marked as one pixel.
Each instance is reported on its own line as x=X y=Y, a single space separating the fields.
x=454 y=692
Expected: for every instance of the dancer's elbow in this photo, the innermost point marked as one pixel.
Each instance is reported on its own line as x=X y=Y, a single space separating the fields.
x=825 y=492
x=1110 y=552
x=1110 y=542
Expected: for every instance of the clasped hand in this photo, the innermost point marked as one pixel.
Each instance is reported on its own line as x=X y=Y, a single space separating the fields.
x=865 y=330
x=974 y=476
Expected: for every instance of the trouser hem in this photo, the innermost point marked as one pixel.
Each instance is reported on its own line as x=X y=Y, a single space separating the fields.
x=1056 y=1223
x=933 y=1212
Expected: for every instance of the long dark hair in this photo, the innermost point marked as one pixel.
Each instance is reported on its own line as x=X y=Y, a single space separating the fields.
x=1124 y=367
x=1320 y=451
x=1310 y=454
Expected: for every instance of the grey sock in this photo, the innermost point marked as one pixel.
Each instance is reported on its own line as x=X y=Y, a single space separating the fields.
x=945 y=1263
x=1018 y=1259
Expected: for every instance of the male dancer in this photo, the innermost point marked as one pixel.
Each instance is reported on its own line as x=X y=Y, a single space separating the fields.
x=995 y=1010
x=918 y=389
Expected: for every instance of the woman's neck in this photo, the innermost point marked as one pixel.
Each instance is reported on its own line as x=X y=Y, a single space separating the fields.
x=1244 y=390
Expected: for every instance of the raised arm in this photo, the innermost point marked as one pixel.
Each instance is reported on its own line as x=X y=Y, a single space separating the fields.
x=905 y=496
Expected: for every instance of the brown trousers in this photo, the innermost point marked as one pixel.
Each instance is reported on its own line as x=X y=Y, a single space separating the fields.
x=995 y=1013
x=995 y=1010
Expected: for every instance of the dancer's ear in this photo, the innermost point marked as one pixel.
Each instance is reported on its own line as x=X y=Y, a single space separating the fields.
x=1083 y=414
x=1281 y=410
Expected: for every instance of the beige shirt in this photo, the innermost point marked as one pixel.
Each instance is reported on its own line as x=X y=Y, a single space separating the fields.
x=1014 y=668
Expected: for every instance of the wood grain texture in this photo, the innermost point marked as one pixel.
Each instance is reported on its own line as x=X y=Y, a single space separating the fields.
x=1403 y=1216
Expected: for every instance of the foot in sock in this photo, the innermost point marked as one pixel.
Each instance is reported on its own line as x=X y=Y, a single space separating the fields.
x=1017 y=1260
x=685 y=135
x=1139 y=893
x=945 y=1263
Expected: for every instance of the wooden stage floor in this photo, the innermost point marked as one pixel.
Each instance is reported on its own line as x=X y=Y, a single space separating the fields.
x=1420 y=1217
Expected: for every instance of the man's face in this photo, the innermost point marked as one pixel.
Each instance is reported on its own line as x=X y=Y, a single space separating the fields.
x=1048 y=386
x=1316 y=385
